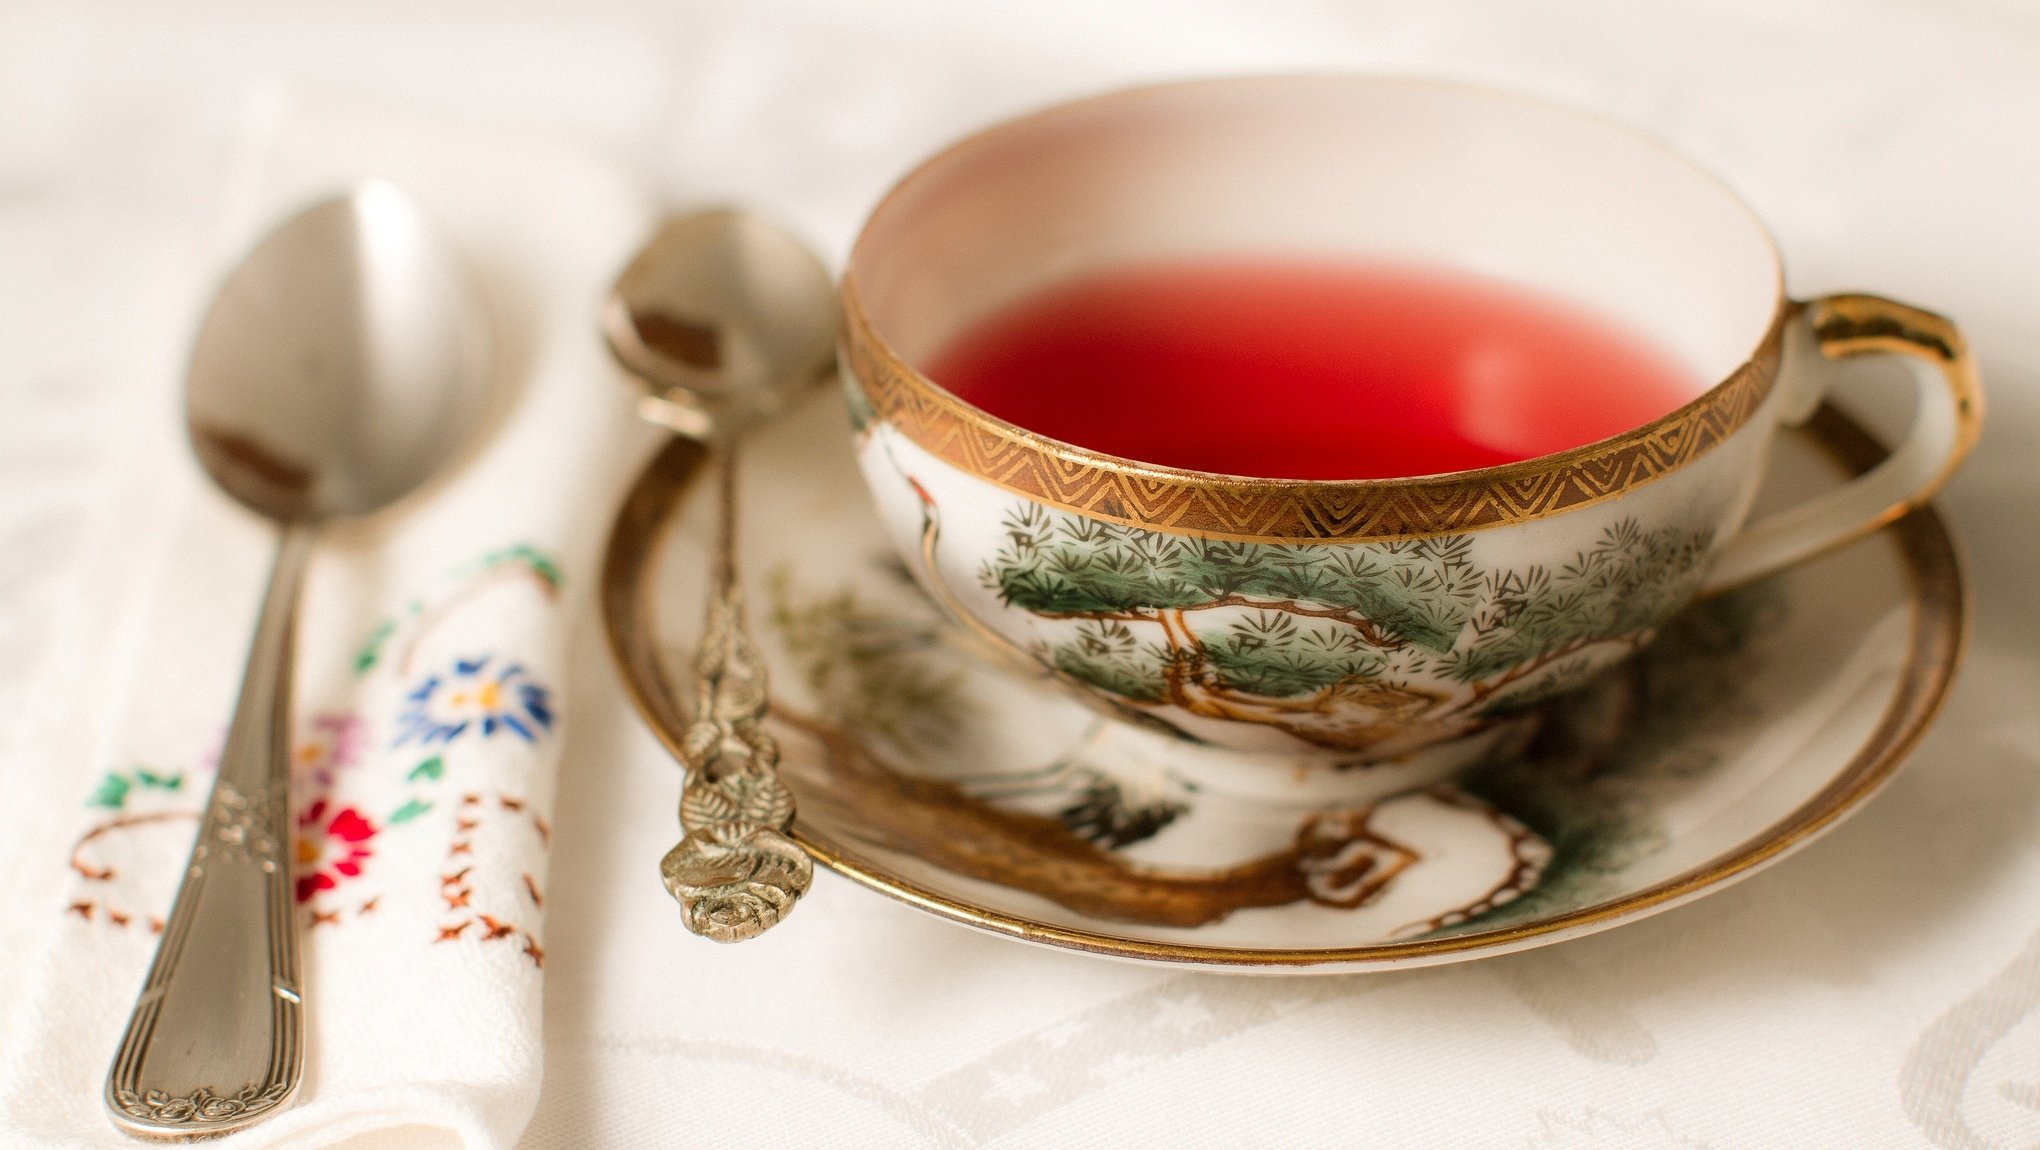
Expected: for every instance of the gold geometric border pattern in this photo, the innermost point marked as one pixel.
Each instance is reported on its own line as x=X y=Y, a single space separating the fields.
x=1278 y=511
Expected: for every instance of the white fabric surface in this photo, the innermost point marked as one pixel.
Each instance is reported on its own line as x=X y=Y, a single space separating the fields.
x=1879 y=990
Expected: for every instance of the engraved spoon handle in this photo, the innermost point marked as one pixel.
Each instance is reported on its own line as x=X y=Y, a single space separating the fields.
x=216 y=1040
x=736 y=873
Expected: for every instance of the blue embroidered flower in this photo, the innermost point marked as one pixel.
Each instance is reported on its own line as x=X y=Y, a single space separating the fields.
x=477 y=696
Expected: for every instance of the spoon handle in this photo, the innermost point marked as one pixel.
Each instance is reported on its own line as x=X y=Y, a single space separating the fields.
x=216 y=1041
x=736 y=873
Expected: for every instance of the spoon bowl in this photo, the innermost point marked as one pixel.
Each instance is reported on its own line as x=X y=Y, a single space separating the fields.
x=342 y=363
x=725 y=319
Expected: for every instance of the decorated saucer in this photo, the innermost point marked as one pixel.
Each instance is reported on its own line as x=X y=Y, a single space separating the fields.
x=981 y=793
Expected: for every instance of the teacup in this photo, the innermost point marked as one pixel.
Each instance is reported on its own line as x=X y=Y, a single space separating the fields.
x=1477 y=594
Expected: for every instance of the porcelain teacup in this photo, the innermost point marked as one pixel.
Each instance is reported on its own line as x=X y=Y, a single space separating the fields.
x=1474 y=595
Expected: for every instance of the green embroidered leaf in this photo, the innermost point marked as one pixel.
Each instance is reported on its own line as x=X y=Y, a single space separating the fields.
x=540 y=563
x=409 y=811
x=111 y=793
x=150 y=778
x=432 y=768
x=366 y=658
x=547 y=570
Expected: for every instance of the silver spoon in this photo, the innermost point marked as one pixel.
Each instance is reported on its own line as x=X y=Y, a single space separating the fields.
x=341 y=365
x=726 y=321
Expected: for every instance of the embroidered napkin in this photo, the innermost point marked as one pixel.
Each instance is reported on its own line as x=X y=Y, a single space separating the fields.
x=431 y=667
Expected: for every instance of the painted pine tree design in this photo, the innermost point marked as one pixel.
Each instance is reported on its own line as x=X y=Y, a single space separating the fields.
x=1347 y=647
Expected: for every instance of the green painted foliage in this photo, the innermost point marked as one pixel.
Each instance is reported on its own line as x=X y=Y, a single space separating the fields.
x=1630 y=581
x=1279 y=655
x=1302 y=617
x=1105 y=654
x=866 y=667
x=1420 y=591
x=1585 y=784
x=862 y=414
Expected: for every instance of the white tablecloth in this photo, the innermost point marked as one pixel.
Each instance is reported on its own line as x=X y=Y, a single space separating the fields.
x=1878 y=990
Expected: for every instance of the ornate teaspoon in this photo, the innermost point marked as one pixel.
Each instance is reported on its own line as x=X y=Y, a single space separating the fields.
x=726 y=321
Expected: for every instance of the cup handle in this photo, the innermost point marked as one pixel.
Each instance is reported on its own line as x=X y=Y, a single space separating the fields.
x=1946 y=421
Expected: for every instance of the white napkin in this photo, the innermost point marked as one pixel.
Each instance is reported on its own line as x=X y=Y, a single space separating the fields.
x=431 y=672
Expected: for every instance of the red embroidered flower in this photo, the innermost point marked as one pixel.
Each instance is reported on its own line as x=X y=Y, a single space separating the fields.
x=330 y=850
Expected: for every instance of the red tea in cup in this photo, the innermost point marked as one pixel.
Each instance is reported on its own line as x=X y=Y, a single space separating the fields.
x=1290 y=369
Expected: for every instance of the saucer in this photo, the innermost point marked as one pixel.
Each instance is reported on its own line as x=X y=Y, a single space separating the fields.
x=976 y=791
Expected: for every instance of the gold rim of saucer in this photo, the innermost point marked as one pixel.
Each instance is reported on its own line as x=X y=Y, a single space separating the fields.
x=1938 y=635
x=1261 y=510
